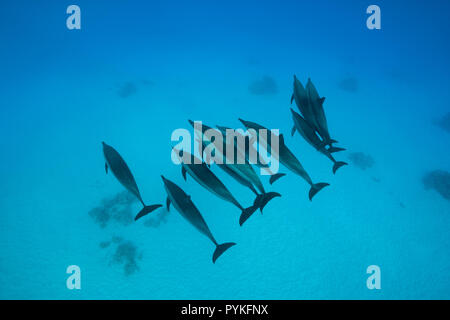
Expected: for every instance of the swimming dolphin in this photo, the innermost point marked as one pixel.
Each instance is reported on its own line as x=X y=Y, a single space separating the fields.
x=309 y=134
x=316 y=103
x=119 y=168
x=302 y=101
x=288 y=159
x=246 y=176
x=250 y=148
x=184 y=205
x=244 y=170
x=207 y=179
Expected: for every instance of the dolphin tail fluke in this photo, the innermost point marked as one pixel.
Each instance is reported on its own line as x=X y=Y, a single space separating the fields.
x=247 y=213
x=338 y=164
x=335 y=149
x=316 y=187
x=220 y=249
x=263 y=199
x=146 y=210
x=275 y=177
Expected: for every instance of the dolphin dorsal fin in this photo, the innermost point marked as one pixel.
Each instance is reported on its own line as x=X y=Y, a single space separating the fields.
x=292 y=97
x=321 y=100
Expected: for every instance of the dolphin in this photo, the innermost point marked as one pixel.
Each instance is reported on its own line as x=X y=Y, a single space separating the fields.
x=309 y=134
x=247 y=149
x=246 y=176
x=302 y=101
x=207 y=179
x=119 y=168
x=316 y=104
x=184 y=205
x=288 y=159
x=244 y=170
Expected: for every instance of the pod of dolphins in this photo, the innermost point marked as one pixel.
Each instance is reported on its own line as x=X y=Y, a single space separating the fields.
x=312 y=125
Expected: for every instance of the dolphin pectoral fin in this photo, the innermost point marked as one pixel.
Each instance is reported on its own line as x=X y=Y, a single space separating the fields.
x=275 y=177
x=220 y=249
x=293 y=131
x=332 y=141
x=106 y=168
x=292 y=98
x=335 y=149
x=338 y=164
x=246 y=213
x=183 y=172
x=146 y=210
x=168 y=204
x=316 y=187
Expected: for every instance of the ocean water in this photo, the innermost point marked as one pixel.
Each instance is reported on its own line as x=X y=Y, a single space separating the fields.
x=137 y=70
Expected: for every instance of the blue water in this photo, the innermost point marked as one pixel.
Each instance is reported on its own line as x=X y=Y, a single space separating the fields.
x=137 y=70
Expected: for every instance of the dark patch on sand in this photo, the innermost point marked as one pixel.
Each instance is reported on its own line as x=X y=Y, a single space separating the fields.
x=156 y=219
x=444 y=122
x=117 y=208
x=348 y=84
x=264 y=86
x=361 y=160
x=125 y=254
x=104 y=244
x=127 y=89
x=438 y=180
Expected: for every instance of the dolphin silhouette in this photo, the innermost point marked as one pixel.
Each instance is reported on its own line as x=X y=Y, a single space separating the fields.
x=309 y=134
x=316 y=104
x=288 y=159
x=242 y=173
x=119 y=168
x=184 y=205
x=249 y=148
x=302 y=101
x=207 y=179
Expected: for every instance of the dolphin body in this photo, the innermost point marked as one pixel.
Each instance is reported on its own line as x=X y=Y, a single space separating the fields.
x=316 y=104
x=288 y=159
x=245 y=175
x=302 y=101
x=248 y=147
x=207 y=179
x=118 y=166
x=310 y=106
x=309 y=134
x=184 y=205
